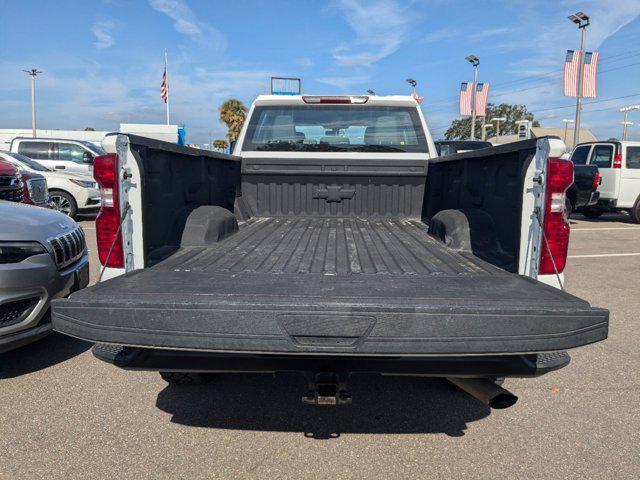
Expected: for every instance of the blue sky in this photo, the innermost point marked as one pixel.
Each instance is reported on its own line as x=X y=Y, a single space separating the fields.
x=103 y=60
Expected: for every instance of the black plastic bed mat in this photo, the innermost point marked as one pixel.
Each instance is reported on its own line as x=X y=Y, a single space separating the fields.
x=368 y=287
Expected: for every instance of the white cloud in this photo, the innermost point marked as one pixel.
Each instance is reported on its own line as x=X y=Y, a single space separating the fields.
x=491 y=32
x=379 y=26
x=186 y=22
x=439 y=35
x=102 y=31
x=344 y=83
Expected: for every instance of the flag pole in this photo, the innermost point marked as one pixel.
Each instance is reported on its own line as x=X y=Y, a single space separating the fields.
x=166 y=70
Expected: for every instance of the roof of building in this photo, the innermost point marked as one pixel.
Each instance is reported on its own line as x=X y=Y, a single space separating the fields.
x=586 y=135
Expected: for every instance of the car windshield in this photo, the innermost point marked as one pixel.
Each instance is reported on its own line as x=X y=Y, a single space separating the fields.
x=94 y=148
x=335 y=128
x=32 y=164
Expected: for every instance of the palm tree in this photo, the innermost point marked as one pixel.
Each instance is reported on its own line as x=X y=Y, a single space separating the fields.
x=220 y=144
x=232 y=113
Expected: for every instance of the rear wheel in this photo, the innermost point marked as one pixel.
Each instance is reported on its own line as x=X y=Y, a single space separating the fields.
x=186 y=378
x=63 y=202
x=635 y=212
x=569 y=207
x=591 y=212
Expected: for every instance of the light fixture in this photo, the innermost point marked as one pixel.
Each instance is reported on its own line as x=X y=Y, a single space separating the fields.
x=473 y=59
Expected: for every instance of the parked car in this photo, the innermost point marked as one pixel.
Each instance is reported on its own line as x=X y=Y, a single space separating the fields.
x=583 y=191
x=34 y=188
x=334 y=241
x=619 y=167
x=42 y=256
x=11 y=187
x=73 y=156
x=451 y=147
x=69 y=193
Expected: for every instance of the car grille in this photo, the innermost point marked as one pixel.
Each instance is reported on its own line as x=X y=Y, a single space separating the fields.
x=38 y=190
x=68 y=247
x=10 y=188
x=16 y=311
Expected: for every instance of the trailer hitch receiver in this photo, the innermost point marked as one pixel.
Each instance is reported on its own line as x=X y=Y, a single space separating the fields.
x=327 y=389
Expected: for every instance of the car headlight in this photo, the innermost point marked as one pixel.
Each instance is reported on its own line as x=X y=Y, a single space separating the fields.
x=14 y=252
x=84 y=183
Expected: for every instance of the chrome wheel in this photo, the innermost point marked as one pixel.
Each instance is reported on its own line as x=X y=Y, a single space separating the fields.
x=61 y=204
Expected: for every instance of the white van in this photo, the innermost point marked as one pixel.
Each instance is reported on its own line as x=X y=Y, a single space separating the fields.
x=619 y=166
x=73 y=156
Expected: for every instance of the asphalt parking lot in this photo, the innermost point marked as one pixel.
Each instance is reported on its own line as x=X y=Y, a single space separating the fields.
x=64 y=414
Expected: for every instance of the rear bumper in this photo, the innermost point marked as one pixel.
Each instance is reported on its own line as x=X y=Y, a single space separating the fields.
x=531 y=365
x=593 y=199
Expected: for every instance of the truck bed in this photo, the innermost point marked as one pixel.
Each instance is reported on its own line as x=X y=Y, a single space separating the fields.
x=330 y=286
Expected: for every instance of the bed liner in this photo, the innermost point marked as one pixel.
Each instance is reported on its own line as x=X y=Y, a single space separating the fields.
x=330 y=286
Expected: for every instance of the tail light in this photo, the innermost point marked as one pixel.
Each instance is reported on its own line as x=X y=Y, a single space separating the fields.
x=105 y=171
x=617 y=160
x=596 y=180
x=556 y=224
x=335 y=99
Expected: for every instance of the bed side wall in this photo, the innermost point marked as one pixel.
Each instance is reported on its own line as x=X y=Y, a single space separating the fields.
x=490 y=180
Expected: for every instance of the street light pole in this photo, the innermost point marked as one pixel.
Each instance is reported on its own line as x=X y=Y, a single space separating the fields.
x=566 y=126
x=498 y=120
x=475 y=62
x=33 y=73
x=582 y=20
x=626 y=110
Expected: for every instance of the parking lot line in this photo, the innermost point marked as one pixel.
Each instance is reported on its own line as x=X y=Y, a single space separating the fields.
x=605 y=255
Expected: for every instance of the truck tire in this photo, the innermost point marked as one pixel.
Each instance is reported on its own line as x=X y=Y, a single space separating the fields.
x=635 y=211
x=63 y=202
x=186 y=378
x=591 y=212
x=569 y=207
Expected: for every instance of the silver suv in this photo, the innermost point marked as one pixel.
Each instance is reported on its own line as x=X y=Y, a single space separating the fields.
x=43 y=256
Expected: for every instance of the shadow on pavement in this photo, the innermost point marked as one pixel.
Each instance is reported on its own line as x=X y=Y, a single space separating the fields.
x=267 y=403
x=605 y=218
x=49 y=351
x=86 y=217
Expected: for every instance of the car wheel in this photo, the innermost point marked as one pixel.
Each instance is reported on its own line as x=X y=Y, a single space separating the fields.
x=635 y=211
x=63 y=203
x=568 y=207
x=186 y=378
x=591 y=212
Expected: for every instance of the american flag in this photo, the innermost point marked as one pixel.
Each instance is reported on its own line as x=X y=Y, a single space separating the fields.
x=589 y=77
x=164 y=88
x=482 y=92
x=465 y=98
x=417 y=97
x=571 y=68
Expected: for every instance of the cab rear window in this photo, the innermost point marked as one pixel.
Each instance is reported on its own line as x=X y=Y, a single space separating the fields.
x=335 y=128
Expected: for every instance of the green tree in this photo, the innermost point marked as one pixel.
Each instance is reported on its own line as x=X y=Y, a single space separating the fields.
x=232 y=114
x=460 y=129
x=220 y=144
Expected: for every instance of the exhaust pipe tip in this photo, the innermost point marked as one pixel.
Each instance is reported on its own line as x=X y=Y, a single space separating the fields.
x=503 y=400
x=486 y=391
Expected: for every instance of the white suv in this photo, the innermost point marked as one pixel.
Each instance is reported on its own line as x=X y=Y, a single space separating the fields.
x=69 y=193
x=73 y=156
x=619 y=166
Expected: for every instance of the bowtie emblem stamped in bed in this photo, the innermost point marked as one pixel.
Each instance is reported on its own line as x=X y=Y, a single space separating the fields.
x=333 y=193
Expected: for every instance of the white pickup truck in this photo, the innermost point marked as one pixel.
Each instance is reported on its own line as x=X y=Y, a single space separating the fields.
x=334 y=242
